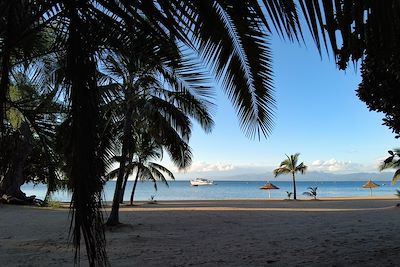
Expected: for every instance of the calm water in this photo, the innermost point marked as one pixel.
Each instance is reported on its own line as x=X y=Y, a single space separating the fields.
x=182 y=190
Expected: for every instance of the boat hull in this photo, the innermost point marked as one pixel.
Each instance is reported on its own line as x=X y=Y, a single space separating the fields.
x=201 y=182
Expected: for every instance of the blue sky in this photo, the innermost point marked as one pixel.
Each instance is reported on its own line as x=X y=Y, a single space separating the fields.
x=318 y=115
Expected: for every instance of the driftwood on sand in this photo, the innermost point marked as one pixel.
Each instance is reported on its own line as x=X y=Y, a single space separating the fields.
x=26 y=200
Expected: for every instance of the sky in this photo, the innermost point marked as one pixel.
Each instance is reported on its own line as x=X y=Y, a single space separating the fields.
x=318 y=115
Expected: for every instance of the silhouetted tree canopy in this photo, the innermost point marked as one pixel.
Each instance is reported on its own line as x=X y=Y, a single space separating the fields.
x=380 y=88
x=366 y=31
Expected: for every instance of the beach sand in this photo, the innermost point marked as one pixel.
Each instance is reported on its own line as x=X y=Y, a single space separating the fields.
x=336 y=232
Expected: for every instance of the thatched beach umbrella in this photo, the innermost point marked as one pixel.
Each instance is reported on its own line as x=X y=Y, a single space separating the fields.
x=269 y=187
x=370 y=185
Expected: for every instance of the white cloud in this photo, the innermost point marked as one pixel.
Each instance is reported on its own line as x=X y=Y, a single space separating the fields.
x=255 y=170
x=220 y=169
x=201 y=166
x=334 y=165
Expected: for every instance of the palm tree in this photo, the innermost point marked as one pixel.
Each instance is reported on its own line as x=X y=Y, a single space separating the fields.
x=289 y=166
x=146 y=149
x=152 y=92
x=312 y=192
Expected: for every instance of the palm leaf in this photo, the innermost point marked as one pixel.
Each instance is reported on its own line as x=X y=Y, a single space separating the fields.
x=157 y=175
x=396 y=176
x=244 y=60
x=308 y=194
x=162 y=169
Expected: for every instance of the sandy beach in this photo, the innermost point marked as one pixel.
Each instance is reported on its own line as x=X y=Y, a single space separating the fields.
x=329 y=232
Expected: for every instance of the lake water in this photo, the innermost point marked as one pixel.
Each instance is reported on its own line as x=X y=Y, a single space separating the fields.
x=182 y=190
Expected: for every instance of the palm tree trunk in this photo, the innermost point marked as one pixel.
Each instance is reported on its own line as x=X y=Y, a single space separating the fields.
x=113 y=219
x=5 y=72
x=85 y=174
x=4 y=82
x=134 y=186
x=47 y=198
x=5 y=68
x=294 y=187
x=122 y=193
x=14 y=176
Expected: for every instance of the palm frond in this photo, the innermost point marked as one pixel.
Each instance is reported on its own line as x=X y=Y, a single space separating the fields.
x=157 y=175
x=281 y=170
x=193 y=107
x=396 y=176
x=172 y=116
x=308 y=194
x=301 y=168
x=312 y=192
x=162 y=169
x=231 y=38
x=188 y=74
x=348 y=26
x=163 y=133
x=244 y=60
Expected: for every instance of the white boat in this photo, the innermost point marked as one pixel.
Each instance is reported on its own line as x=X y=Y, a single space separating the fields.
x=201 y=181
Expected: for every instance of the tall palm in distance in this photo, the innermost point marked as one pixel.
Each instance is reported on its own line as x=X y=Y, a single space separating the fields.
x=290 y=166
x=147 y=150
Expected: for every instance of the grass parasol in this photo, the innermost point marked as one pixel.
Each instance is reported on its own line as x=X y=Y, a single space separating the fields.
x=370 y=185
x=269 y=187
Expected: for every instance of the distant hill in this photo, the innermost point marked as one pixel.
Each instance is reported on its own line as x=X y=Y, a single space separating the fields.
x=309 y=176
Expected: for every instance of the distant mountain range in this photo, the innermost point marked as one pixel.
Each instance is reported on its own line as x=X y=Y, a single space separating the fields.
x=309 y=176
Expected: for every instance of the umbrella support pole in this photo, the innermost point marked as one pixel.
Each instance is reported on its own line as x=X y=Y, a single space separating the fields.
x=269 y=193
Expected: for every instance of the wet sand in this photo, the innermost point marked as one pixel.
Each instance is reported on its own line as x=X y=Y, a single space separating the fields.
x=335 y=232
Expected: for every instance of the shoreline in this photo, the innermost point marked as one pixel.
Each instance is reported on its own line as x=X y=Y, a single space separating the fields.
x=65 y=204
x=373 y=198
x=322 y=204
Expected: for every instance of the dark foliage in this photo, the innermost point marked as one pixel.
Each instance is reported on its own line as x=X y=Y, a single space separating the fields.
x=392 y=162
x=380 y=85
x=368 y=31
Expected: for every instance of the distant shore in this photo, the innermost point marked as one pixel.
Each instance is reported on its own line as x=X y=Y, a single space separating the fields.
x=329 y=232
